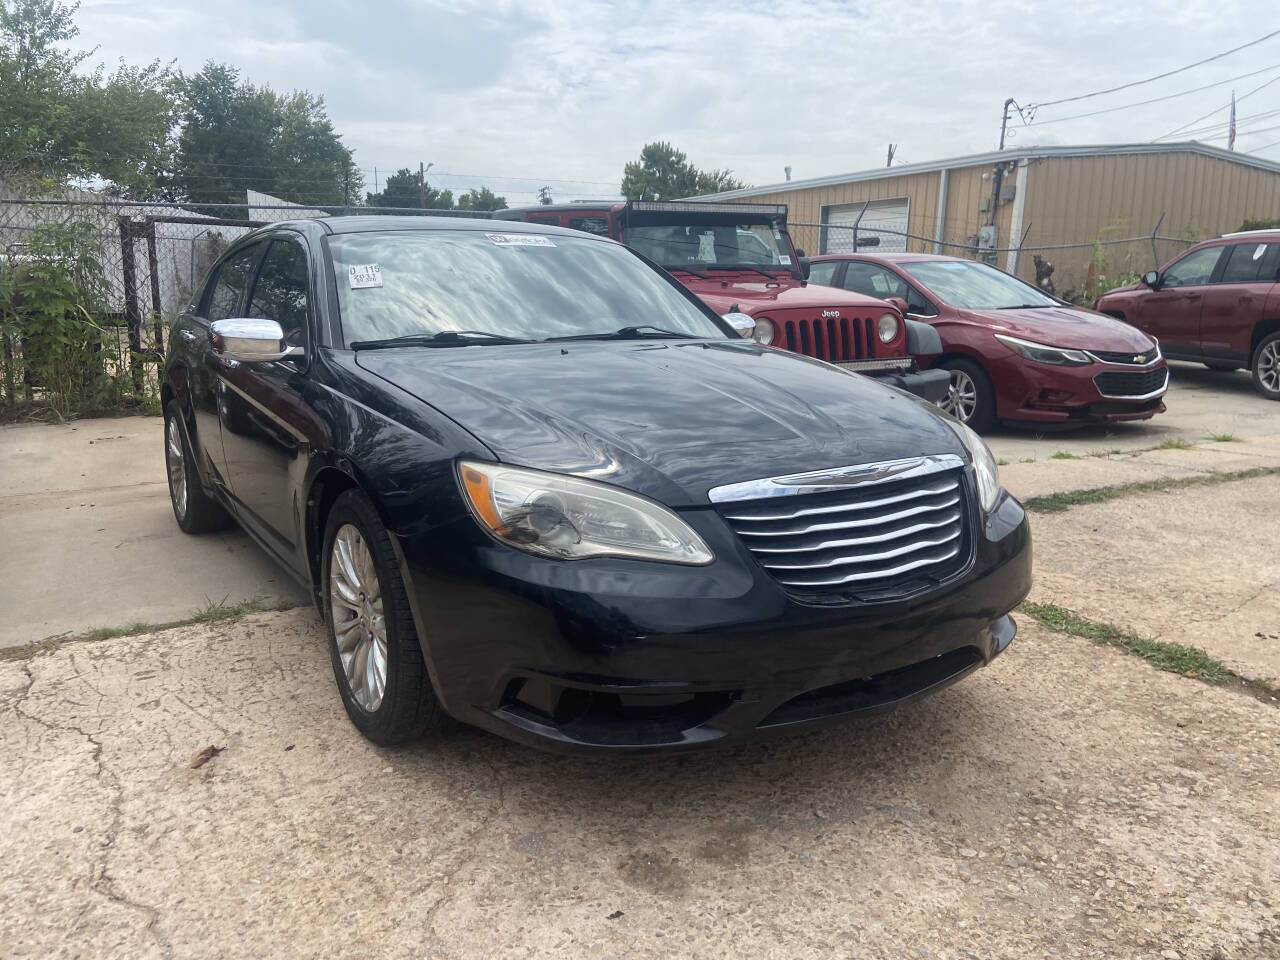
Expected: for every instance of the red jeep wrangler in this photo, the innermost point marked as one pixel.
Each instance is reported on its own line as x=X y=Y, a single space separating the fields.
x=739 y=259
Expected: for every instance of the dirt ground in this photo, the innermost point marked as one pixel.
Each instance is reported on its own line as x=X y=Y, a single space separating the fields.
x=1068 y=801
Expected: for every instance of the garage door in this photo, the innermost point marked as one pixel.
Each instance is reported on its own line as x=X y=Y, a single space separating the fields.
x=884 y=219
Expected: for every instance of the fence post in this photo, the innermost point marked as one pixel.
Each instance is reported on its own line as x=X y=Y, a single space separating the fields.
x=855 y=225
x=1155 y=257
x=132 y=314
x=153 y=265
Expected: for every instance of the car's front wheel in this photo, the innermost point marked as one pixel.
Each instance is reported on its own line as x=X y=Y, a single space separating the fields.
x=1266 y=366
x=195 y=511
x=373 y=643
x=970 y=398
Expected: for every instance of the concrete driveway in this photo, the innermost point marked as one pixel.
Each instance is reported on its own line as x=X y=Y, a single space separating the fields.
x=90 y=540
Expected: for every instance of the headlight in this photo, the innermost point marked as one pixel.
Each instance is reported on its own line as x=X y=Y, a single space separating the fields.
x=984 y=464
x=568 y=518
x=1058 y=356
x=764 y=330
x=887 y=328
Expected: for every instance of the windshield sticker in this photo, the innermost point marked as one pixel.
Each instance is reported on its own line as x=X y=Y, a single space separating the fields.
x=707 y=247
x=785 y=261
x=364 y=275
x=1257 y=254
x=519 y=240
x=953 y=266
x=777 y=234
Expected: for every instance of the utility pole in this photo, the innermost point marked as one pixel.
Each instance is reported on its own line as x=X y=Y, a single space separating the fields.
x=422 y=186
x=346 y=193
x=998 y=175
x=888 y=161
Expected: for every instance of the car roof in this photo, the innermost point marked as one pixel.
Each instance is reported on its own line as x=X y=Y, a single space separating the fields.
x=888 y=257
x=375 y=223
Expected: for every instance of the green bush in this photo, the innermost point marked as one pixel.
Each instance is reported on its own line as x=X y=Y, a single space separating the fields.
x=53 y=294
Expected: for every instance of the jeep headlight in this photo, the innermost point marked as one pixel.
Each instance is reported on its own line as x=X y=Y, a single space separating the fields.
x=984 y=464
x=569 y=518
x=887 y=328
x=764 y=331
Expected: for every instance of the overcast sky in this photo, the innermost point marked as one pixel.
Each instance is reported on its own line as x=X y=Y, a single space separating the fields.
x=565 y=93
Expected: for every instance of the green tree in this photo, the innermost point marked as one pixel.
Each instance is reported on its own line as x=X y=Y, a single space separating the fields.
x=482 y=199
x=60 y=123
x=401 y=190
x=235 y=137
x=665 y=173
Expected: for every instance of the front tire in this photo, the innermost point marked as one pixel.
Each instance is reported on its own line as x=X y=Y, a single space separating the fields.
x=377 y=659
x=195 y=511
x=971 y=399
x=1266 y=366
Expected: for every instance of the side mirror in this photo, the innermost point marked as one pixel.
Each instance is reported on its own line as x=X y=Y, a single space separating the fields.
x=745 y=325
x=1151 y=279
x=898 y=302
x=804 y=266
x=247 y=340
x=800 y=253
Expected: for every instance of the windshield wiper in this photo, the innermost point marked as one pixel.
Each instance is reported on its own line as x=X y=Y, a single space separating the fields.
x=445 y=338
x=628 y=333
x=1028 y=306
x=673 y=267
x=747 y=269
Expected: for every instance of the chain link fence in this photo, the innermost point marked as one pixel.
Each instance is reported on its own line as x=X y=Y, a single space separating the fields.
x=136 y=267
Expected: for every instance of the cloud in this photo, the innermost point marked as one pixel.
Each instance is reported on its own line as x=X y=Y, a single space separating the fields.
x=552 y=91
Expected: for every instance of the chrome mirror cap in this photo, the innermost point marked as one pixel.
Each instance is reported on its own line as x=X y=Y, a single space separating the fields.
x=741 y=322
x=247 y=340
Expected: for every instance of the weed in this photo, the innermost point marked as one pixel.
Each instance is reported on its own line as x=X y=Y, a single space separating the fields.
x=1223 y=437
x=1175 y=443
x=1172 y=657
x=1002 y=462
x=1057 y=502
x=1065 y=455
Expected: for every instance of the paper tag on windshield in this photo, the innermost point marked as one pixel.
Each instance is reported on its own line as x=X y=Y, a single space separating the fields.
x=364 y=275
x=785 y=261
x=519 y=240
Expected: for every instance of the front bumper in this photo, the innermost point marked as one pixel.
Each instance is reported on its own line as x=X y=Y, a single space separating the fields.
x=1038 y=393
x=614 y=655
x=930 y=385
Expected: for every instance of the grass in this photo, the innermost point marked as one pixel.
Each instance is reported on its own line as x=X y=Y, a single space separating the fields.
x=1065 y=455
x=1177 y=658
x=211 y=612
x=1223 y=437
x=1175 y=443
x=1002 y=462
x=1110 y=451
x=1057 y=502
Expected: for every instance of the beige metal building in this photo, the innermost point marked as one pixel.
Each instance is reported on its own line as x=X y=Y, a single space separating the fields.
x=1054 y=204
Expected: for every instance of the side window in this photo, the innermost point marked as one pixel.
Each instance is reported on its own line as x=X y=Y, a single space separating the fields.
x=874 y=281
x=1251 y=263
x=280 y=292
x=597 y=225
x=918 y=304
x=546 y=221
x=823 y=272
x=225 y=292
x=1193 y=269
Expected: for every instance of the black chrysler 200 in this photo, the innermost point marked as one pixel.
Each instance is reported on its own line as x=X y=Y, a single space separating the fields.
x=535 y=484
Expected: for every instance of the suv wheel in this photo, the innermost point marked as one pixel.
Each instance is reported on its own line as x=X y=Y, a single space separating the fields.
x=971 y=398
x=1266 y=366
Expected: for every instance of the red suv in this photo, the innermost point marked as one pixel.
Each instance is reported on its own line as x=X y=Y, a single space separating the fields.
x=1217 y=304
x=1013 y=353
x=739 y=259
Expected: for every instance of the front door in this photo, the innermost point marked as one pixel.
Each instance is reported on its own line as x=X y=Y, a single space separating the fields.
x=1171 y=312
x=265 y=422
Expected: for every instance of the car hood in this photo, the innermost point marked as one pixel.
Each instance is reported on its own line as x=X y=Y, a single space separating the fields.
x=1064 y=327
x=669 y=420
x=753 y=297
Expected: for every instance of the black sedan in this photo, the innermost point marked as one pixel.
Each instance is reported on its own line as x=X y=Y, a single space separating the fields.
x=535 y=484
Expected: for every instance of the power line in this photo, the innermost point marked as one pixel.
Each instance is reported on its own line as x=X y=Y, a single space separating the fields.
x=1225 y=106
x=1143 y=103
x=1265 y=146
x=1170 y=73
x=1224 y=126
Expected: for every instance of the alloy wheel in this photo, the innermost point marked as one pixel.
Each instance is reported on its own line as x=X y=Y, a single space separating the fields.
x=175 y=461
x=962 y=396
x=1269 y=366
x=359 y=625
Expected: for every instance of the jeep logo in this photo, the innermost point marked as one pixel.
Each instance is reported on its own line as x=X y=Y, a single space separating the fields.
x=834 y=314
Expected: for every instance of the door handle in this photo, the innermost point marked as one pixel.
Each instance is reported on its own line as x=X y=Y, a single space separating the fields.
x=1193 y=296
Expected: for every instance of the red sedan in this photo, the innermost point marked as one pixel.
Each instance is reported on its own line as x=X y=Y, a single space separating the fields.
x=1013 y=352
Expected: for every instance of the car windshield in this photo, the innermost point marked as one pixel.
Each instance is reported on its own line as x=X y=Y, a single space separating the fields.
x=975 y=286
x=402 y=283
x=708 y=246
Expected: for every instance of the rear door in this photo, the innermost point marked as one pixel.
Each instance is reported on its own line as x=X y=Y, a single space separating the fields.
x=1234 y=305
x=1172 y=311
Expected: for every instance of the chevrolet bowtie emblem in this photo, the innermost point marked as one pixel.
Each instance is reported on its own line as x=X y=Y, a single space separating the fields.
x=1139 y=358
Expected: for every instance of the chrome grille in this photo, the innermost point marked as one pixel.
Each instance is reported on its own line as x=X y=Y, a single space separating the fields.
x=882 y=528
